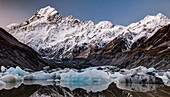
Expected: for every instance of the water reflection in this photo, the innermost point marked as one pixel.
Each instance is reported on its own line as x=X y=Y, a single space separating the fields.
x=12 y=85
x=139 y=87
x=39 y=82
x=65 y=89
x=88 y=86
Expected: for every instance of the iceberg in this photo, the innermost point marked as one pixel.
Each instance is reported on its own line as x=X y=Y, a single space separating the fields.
x=40 y=76
x=140 y=69
x=125 y=71
x=19 y=71
x=11 y=69
x=151 y=69
x=38 y=72
x=168 y=75
x=140 y=78
x=11 y=78
x=3 y=69
x=2 y=85
x=86 y=76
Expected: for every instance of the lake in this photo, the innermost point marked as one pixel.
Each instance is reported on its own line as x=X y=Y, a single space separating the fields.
x=83 y=89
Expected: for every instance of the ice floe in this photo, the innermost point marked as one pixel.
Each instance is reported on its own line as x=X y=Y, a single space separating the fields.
x=11 y=78
x=91 y=79
x=140 y=79
x=2 y=84
x=39 y=76
x=3 y=69
x=151 y=69
x=86 y=76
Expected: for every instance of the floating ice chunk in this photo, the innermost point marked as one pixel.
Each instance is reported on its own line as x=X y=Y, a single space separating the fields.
x=140 y=78
x=19 y=71
x=87 y=76
x=116 y=75
x=11 y=78
x=35 y=76
x=45 y=76
x=164 y=77
x=38 y=72
x=39 y=76
x=29 y=77
x=167 y=83
x=151 y=69
x=2 y=85
x=125 y=71
x=140 y=69
x=11 y=69
x=56 y=74
x=3 y=69
x=168 y=74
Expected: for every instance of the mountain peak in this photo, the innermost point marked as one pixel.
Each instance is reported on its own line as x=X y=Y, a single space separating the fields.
x=160 y=15
x=54 y=36
x=47 y=14
x=47 y=11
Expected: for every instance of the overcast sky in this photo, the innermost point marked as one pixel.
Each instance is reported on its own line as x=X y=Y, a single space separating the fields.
x=122 y=12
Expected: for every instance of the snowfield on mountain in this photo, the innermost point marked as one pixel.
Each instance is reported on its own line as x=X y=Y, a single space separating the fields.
x=55 y=36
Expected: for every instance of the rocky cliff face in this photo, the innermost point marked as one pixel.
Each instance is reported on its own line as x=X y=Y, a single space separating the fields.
x=14 y=53
x=153 y=52
x=159 y=43
x=54 y=36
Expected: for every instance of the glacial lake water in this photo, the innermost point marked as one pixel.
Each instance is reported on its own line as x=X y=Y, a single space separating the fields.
x=82 y=89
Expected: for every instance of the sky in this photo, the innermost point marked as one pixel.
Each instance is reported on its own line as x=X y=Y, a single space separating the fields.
x=122 y=12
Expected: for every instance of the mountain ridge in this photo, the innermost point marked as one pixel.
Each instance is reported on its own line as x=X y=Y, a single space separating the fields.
x=55 y=36
x=14 y=53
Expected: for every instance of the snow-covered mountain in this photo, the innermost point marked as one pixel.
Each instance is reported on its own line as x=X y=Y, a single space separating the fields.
x=55 y=36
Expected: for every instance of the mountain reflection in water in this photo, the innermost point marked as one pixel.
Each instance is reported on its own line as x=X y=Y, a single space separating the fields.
x=57 y=89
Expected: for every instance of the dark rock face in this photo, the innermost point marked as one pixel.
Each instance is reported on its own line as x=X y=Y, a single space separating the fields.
x=120 y=60
x=154 y=52
x=115 y=46
x=159 y=43
x=14 y=53
x=138 y=42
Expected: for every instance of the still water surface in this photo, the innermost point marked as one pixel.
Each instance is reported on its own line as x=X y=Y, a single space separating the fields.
x=80 y=89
